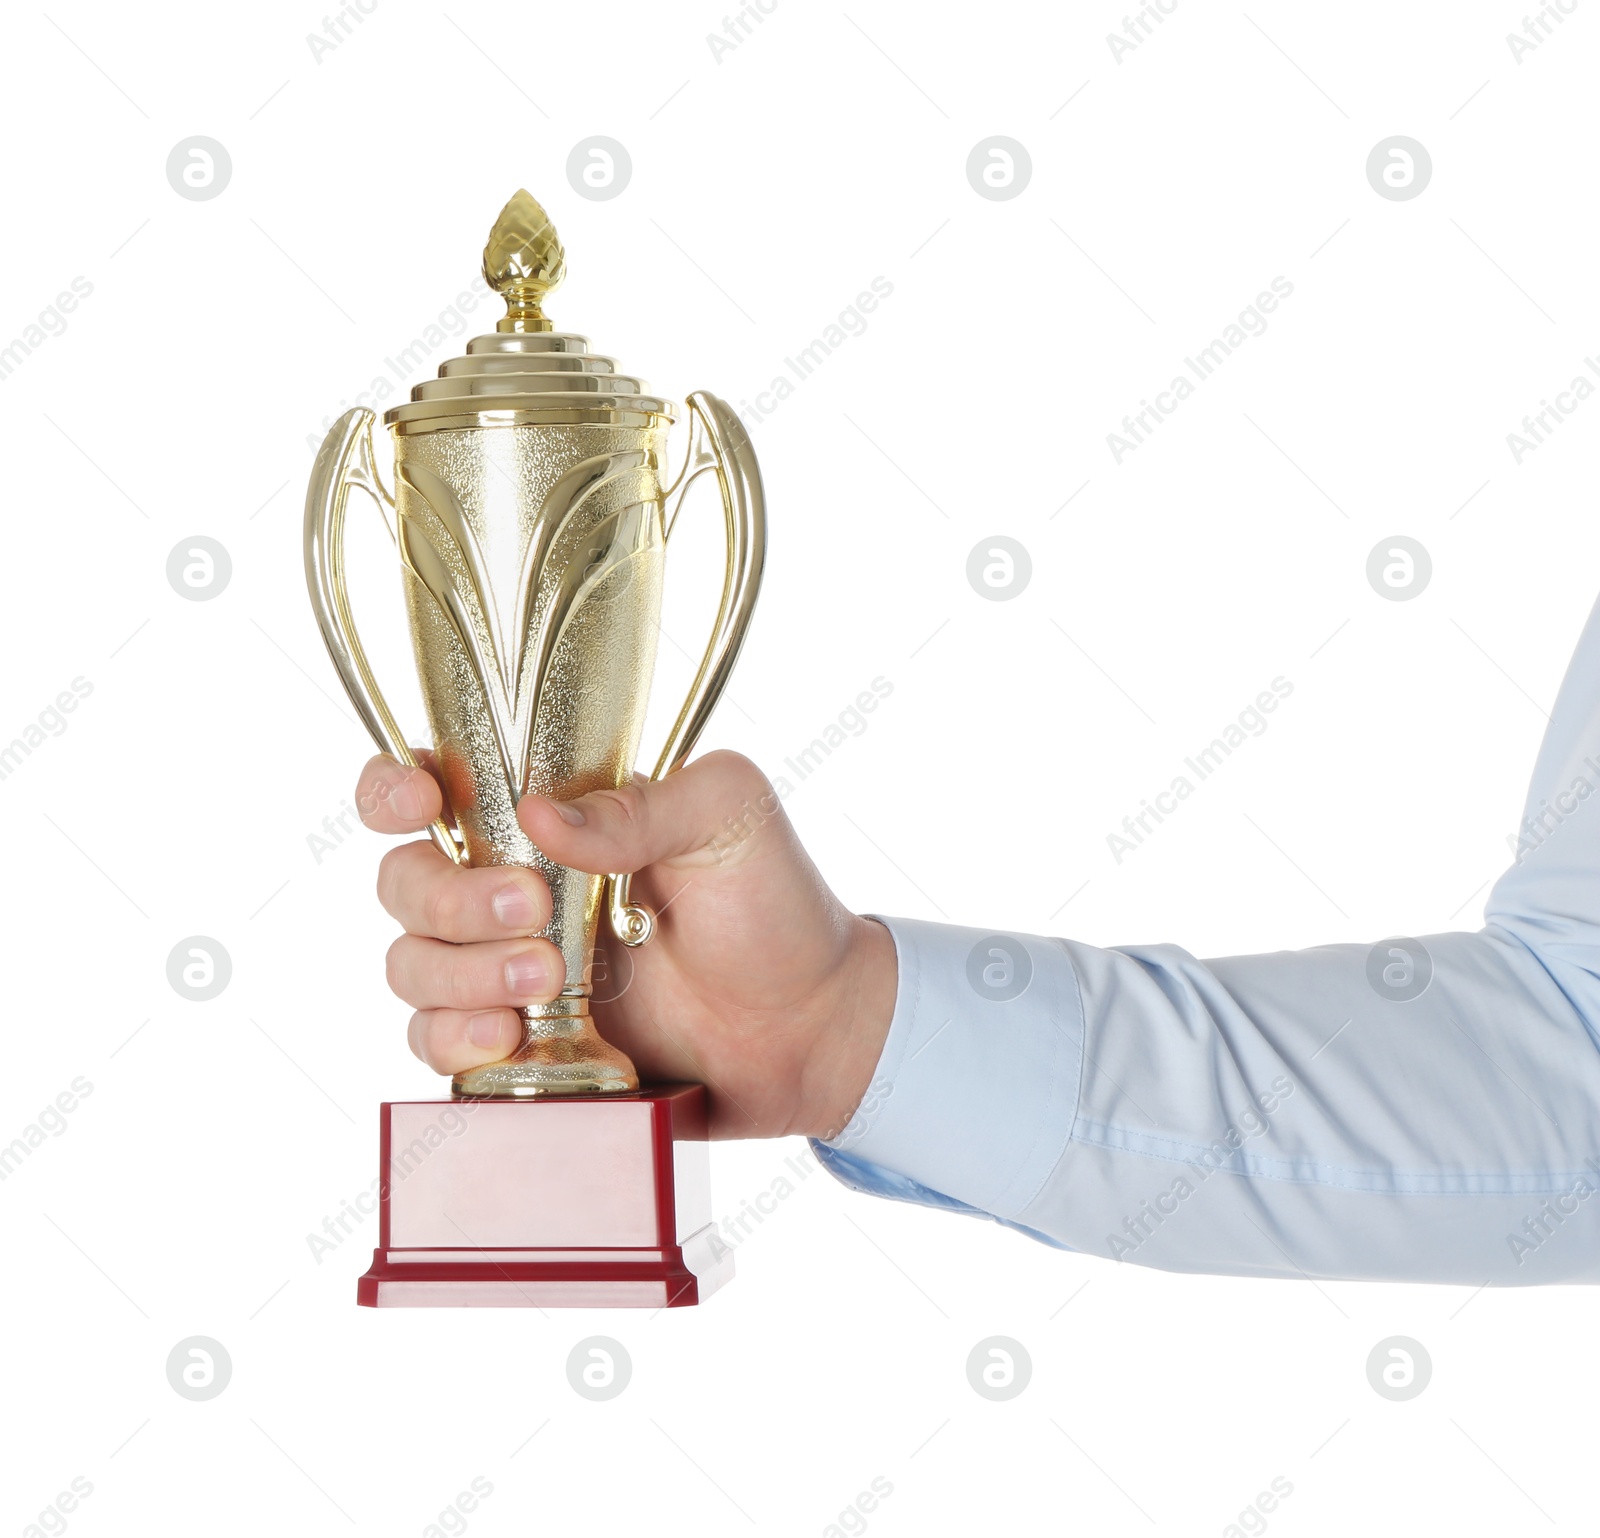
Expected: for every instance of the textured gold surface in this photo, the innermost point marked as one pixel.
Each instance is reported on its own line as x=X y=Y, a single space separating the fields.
x=532 y=526
x=533 y=560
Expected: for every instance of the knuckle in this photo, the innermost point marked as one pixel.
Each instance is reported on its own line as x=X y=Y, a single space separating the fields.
x=471 y=980
x=394 y=964
x=443 y=907
x=740 y=774
x=629 y=805
x=390 y=877
x=538 y=891
x=367 y=784
x=556 y=963
x=428 y=1043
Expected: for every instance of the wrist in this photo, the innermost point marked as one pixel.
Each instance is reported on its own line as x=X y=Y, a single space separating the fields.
x=850 y=1041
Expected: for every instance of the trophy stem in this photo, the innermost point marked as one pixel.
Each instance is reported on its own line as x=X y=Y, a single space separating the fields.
x=561 y=1054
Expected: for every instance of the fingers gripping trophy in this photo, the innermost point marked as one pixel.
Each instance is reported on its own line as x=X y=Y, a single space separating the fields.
x=532 y=512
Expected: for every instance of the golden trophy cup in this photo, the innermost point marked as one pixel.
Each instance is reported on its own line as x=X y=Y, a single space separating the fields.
x=532 y=511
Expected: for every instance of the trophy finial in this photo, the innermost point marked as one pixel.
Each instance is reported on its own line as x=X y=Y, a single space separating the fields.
x=523 y=261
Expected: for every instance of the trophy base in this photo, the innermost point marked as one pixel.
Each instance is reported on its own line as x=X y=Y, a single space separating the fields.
x=546 y=1203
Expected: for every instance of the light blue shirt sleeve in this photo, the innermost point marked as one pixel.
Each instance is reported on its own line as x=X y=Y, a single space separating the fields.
x=1425 y=1108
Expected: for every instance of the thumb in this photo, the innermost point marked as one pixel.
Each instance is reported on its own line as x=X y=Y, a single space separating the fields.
x=694 y=816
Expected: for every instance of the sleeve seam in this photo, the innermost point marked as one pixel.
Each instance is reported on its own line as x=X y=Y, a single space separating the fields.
x=1077 y=1101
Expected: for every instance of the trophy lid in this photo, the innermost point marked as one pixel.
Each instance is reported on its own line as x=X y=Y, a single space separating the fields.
x=524 y=371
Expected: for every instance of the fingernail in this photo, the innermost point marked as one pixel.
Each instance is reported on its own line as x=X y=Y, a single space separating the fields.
x=526 y=975
x=568 y=813
x=487 y=1030
x=514 y=908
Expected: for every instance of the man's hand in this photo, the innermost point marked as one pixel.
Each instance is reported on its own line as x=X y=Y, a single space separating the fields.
x=757 y=983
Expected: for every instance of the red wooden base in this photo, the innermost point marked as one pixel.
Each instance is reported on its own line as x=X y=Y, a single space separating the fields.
x=581 y=1203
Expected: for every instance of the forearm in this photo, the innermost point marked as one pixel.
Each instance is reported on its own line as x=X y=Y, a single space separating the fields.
x=1266 y=1115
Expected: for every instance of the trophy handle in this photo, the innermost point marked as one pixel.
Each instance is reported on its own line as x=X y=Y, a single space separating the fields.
x=345 y=460
x=717 y=441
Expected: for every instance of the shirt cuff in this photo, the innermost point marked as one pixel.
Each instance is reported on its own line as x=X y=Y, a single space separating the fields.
x=975 y=1093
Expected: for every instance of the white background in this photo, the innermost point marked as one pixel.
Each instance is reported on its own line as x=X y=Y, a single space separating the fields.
x=768 y=189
